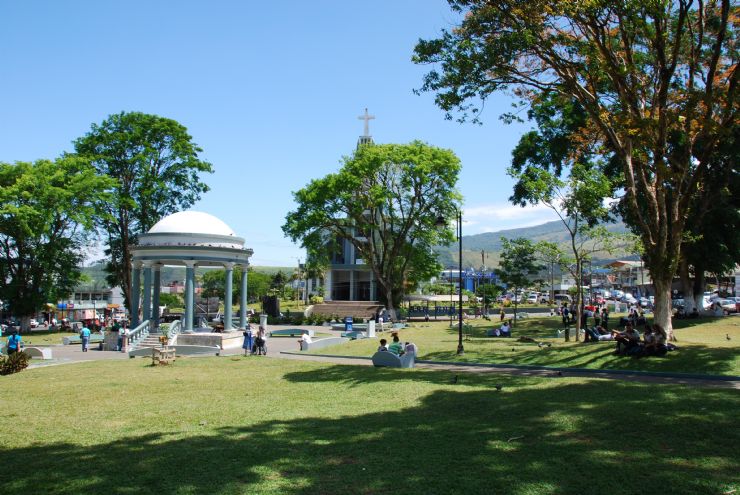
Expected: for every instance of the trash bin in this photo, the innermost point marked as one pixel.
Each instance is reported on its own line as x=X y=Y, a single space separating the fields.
x=348 y=324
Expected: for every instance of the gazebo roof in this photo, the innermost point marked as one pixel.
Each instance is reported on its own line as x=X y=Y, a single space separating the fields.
x=191 y=222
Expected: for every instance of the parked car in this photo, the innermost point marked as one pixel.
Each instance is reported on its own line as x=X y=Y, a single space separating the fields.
x=561 y=298
x=33 y=323
x=644 y=302
x=728 y=305
x=532 y=299
x=628 y=298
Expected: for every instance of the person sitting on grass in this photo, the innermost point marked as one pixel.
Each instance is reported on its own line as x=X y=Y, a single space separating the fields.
x=396 y=347
x=383 y=347
x=506 y=329
x=657 y=345
x=627 y=340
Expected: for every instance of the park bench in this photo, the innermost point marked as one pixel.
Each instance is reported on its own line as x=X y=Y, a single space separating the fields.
x=95 y=338
x=37 y=352
x=322 y=343
x=390 y=360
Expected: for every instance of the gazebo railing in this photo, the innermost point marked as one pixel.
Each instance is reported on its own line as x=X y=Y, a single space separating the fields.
x=138 y=334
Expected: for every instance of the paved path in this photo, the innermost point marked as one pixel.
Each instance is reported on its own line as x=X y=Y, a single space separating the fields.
x=288 y=348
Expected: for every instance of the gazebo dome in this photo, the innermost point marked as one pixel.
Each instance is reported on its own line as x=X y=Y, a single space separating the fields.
x=191 y=222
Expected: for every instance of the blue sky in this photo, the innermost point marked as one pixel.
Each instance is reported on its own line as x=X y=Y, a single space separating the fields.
x=271 y=91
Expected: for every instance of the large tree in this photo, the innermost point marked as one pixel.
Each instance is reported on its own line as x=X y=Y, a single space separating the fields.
x=385 y=200
x=46 y=210
x=157 y=169
x=517 y=266
x=657 y=79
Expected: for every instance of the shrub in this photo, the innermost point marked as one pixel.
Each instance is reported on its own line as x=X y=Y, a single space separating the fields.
x=316 y=300
x=14 y=363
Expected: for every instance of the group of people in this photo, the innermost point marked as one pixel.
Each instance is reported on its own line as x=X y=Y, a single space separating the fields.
x=254 y=344
x=600 y=316
x=654 y=341
x=503 y=331
x=396 y=347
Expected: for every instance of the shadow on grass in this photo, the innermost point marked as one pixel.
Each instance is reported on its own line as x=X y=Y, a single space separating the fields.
x=572 y=437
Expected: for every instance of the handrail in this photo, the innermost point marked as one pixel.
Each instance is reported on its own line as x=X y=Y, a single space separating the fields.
x=139 y=333
x=175 y=328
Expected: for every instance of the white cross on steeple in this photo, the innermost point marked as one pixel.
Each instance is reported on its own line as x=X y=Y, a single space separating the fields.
x=367 y=118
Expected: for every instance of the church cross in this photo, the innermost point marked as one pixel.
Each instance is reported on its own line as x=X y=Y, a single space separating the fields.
x=367 y=118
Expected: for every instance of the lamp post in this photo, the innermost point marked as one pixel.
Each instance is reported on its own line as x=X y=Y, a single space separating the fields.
x=442 y=222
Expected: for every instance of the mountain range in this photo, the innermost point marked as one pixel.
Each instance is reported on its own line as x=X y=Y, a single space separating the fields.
x=484 y=249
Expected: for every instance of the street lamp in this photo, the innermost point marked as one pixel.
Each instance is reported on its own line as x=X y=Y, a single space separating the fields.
x=442 y=222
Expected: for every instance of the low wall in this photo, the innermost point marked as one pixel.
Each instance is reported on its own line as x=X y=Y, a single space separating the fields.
x=222 y=340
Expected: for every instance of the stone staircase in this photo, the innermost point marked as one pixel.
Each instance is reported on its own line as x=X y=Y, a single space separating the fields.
x=356 y=309
x=151 y=341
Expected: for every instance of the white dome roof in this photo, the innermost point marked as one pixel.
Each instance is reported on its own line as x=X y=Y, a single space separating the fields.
x=191 y=222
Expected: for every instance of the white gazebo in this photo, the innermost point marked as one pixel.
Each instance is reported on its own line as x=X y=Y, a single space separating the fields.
x=190 y=239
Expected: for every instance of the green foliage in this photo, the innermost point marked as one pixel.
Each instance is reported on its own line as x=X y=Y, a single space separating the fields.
x=649 y=86
x=316 y=299
x=170 y=300
x=489 y=293
x=14 y=363
x=385 y=200
x=47 y=210
x=156 y=168
x=518 y=263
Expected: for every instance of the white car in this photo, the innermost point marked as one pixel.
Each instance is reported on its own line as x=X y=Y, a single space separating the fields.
x=532 y=299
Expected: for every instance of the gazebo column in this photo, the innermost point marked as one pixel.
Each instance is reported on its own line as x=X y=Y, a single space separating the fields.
x=228 y=295
x=189 y=295
x=243 y=299
x=135 y=292
x=156 y=289
x=327 y=286
x=147 y=309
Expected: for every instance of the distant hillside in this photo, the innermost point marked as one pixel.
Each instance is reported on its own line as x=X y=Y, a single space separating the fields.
x=490 y=243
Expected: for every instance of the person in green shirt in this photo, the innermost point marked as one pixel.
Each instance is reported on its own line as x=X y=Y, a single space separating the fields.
x=396 y=347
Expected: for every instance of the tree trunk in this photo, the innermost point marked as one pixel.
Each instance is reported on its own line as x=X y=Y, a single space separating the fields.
x=687 y=286
x=663 y=305
x=697 y=292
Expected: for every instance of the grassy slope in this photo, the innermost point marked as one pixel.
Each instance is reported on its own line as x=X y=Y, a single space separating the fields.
x=703 y=347
x=259 y=426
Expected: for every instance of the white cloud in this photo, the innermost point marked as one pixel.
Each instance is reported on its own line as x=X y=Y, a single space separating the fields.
x=499 y=216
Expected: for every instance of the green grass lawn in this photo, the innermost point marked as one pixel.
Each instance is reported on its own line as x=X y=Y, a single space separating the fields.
x=703 y=346
x=44 y=337
x=235 y=425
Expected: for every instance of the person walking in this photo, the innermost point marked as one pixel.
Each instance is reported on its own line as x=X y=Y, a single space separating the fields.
x=85 y=338
x=248 y=337
x=14 y=343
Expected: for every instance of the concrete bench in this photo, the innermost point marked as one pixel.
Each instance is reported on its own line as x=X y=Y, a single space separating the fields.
x=355 y=334
x=322 y=343
x=291 y=332
x=95 y=338
x=388 y=359
x=37 y=352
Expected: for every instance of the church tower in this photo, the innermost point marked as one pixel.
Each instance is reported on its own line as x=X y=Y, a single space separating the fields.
x=366 y=138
